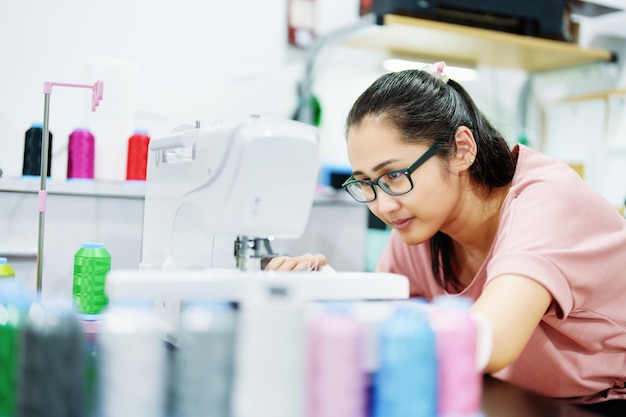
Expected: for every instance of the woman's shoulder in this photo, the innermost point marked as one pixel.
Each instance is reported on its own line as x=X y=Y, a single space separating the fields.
x=546 y=192
x=546 y=178
x=533 y=165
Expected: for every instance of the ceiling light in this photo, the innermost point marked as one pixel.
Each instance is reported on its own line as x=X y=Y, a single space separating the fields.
x=455 y=73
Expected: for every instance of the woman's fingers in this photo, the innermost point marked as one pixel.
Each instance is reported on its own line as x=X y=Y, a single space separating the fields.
x=307 y=262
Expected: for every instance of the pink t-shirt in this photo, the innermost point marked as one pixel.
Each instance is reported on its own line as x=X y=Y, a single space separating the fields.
x=555 y=229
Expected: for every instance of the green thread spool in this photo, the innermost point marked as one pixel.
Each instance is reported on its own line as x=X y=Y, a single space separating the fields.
x=9 y=342
x=92 y=262
x=12 y=313
x=5 y=269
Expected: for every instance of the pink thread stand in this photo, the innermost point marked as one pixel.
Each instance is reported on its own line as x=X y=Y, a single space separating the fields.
x=97 y=93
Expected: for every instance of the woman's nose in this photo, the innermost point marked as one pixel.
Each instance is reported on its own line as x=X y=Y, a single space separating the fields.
x=384 y=203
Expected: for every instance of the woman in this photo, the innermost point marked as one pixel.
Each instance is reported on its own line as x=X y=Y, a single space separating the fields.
x=542 y=254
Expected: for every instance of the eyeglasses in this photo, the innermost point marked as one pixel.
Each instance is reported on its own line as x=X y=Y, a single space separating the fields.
x=394 y=183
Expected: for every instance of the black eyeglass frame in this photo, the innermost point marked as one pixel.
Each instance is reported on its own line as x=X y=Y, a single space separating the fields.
x=407 y=172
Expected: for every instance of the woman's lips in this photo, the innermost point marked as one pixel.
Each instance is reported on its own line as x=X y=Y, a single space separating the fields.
x=402 y=224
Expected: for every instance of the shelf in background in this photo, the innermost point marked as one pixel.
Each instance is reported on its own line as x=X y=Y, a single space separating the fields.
x=74 y=187
x=433 y=40
x=132 y=189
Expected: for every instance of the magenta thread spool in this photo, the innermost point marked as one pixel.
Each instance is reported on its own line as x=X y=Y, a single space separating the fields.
x=337 y=379
x=459 y=379
x=80 y=154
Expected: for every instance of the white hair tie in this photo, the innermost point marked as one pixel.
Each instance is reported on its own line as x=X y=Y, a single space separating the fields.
x=437 y=71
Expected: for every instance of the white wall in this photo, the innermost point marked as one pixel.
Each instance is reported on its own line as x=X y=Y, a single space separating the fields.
x=163 y=63
x=168 y=63
x=578 y=119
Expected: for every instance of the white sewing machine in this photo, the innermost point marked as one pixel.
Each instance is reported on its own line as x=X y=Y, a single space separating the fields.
x=236 y=181
x=214 y=197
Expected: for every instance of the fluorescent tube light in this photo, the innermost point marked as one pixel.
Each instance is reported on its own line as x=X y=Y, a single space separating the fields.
x=456 y=73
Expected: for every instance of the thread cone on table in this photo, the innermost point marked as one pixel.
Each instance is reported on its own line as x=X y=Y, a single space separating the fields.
x=92 y=262
x=137 y=156
x=32 y=150
x=6 y=271
x=80 y=154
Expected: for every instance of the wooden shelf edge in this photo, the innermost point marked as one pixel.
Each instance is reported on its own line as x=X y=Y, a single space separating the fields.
x=469 y=45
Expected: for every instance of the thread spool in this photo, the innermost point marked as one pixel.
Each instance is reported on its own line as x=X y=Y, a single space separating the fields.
x=90 y=326
x=80 y=154
x=336 y=365
x=133 y=362
x=456 y=335
x=51 y=373
x=270 y=361
x=92 y=262
x=372 y=314
x=32 y=150
x=137 y=159
x=12 y=312
x=204 y=360
x=406 y=381
x=9 y=335
x=5 y=269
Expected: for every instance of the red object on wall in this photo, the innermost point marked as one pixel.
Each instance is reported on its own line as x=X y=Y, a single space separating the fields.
x=301 y=22
x=365 y=7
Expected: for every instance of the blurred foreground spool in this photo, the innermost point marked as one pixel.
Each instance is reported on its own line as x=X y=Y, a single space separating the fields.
x=133 y=360
x=270 y=364
x=406 y=382
x=13 y=309
x=337 y=384
x=457 y=341
x=204 y=360
x=51 y=376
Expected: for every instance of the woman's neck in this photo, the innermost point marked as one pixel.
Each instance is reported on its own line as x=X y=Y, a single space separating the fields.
x=473 y=241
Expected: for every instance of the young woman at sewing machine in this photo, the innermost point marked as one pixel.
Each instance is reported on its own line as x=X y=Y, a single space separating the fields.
x=542 y=254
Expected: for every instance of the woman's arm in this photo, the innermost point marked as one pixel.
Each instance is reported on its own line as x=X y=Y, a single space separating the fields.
x=514 y=306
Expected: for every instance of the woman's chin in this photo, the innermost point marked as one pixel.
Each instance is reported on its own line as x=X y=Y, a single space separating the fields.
x=412 y=238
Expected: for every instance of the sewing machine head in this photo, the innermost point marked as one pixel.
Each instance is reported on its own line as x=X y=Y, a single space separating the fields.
x=240 y=183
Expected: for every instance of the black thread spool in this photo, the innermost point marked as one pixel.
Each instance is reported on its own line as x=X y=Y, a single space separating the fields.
x=51 y=376
x=32 y=151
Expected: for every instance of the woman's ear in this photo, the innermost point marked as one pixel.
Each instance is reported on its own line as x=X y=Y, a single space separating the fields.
x=465 y=150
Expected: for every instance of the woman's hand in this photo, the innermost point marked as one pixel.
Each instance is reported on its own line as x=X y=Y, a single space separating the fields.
x=307 y=262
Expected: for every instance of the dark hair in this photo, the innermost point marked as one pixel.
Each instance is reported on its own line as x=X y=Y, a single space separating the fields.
x=424 y=109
